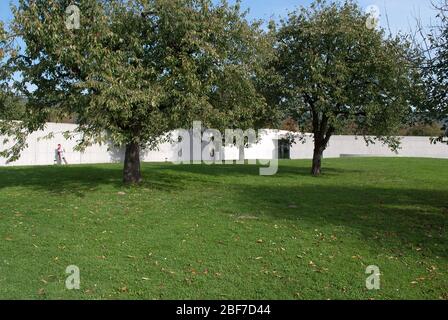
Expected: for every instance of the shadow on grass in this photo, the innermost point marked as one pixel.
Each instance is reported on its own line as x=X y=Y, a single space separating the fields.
x=394 y=218
x=238 y=170
x=399 y=218
x=82 y=179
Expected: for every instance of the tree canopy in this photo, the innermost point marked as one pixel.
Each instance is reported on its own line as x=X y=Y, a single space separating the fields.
x=132 y=71
x=337 y=70
x=433 y=64
x=11 y=104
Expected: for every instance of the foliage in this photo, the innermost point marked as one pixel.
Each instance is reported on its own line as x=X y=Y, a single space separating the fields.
x=138 y=69
x=422 y=130
x=434 y=70
x=336 y=72
x=11 y=105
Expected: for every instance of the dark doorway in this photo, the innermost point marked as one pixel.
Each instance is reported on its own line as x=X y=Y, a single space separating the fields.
x=284 y=149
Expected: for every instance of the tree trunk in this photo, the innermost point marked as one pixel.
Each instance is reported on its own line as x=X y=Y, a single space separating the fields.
x=131 y=172
x=241 y=153
x=317 y=161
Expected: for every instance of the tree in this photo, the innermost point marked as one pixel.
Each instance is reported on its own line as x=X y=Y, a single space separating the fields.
x=11 y=105
x=337 y=70
x=132 y=71
x=5 y=76
x=434 y=69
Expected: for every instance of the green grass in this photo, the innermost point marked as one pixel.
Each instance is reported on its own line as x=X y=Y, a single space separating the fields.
x=224 y=232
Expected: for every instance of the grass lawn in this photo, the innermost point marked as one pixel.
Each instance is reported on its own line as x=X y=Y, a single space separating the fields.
x=224 y=232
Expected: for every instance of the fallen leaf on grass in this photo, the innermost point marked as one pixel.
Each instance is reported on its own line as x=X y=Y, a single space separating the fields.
x=421 y=279
x=432 y=269
x=247 y=218
x=168 y=271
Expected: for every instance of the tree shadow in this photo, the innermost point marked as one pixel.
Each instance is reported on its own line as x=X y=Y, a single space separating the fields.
x=408 y=218
x=397 y=217
x=285 y=169
x=80 y=180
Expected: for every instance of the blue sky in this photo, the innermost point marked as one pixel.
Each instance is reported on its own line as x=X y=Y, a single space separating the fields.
x=401 y=13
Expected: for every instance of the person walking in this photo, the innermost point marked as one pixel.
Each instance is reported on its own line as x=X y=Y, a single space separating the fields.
x=60 y=155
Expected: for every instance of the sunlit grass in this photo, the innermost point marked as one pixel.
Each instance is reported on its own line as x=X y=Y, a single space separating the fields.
x=224 y=232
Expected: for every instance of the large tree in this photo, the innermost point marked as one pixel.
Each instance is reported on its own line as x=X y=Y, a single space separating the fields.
x=337 y=69
x=132 y=71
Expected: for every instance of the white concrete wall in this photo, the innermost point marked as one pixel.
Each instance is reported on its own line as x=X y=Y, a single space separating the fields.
x=42 y=151
x=356 y=146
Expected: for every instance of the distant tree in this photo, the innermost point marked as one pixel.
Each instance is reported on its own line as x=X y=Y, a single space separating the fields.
x=337 y=70
x=12 y=107
x=132 y=71
x=289 y=124
x=422 y=130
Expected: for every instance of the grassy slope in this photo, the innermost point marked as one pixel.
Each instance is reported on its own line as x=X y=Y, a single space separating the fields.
x=201 y=232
